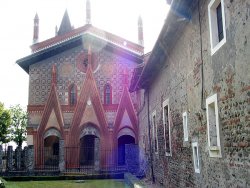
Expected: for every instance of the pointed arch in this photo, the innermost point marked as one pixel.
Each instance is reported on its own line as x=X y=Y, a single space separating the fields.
x=52 y=106
x=126 y=105
x=107 y=94
x=90 y=92
x=72 y=100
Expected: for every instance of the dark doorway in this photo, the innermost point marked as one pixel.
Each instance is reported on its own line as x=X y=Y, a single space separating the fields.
x=51 y=150
x=126 y=139
x=87 y=150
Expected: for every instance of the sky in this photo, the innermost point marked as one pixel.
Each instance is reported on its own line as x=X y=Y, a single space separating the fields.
x=16 y=17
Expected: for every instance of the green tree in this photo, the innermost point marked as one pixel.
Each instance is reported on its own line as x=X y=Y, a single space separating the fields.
x=18 y=126
x=5 y=121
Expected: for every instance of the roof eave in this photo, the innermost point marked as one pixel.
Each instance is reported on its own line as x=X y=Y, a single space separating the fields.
x=25 y=62
x=175 y=22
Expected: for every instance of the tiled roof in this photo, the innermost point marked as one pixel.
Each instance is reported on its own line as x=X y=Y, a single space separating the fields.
x=109 y=37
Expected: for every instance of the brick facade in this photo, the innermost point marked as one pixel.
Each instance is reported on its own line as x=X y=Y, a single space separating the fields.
x=67 y=82
x=180 y=79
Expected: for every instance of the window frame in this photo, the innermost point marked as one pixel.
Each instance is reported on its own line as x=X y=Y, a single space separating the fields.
x=185 y=126
x=105 y=94
x=166 y=103
x=155 y=132
x=196 y=157
x=213 y=25
x=72 y=87
x=214 y=151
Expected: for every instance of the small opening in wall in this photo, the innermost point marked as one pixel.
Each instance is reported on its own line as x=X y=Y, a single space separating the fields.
x=196 y=157
x=167 y=131
x=212 y=125
x=185 y=126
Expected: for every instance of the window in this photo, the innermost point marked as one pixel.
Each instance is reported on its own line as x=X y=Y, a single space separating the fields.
x=72 y=94
x=167 y=131
x=213 y=127
x=216 y=24
x=155 y=136
x=107 y=94
x=185 y=126
x=196 y=158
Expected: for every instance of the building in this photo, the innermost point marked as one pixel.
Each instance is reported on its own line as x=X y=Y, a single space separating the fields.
x=79 y=109
x=194 y=109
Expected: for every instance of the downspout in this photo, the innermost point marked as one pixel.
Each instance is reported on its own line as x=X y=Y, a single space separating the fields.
x=149 y=138
x=201 y=56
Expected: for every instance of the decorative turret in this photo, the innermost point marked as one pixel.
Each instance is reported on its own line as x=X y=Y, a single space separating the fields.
x=65 y=26
x=140 y=31
x=88 y=12
x=36 y=29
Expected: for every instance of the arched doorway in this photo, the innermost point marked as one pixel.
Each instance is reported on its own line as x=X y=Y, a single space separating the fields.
x=122 y=141
x=89 y=145
x=87 y=150
x=51 y=148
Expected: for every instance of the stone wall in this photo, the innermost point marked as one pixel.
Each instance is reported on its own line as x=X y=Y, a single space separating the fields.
x=180 y=80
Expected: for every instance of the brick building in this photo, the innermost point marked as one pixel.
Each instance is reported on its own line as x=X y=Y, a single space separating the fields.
x=194 y=109
x=79 y=104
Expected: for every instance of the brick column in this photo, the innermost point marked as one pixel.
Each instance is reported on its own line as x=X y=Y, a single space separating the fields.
x=1 y=158
x=10 y=158
x=61 y=156
x=97 y=154
x=30 y=158
x=18 y=153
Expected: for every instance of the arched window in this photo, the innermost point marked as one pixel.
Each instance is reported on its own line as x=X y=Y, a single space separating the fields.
x=107 y=94
x=72 y=95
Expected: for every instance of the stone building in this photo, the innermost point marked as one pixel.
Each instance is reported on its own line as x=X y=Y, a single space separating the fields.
x=79 y=104
x=194 y=108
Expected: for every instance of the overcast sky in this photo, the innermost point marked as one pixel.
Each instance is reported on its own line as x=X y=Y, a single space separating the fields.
x=16 y=19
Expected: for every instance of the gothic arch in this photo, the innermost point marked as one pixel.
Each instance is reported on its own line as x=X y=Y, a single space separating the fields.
x=107 y=94
x=72 y=97
x=90 y=129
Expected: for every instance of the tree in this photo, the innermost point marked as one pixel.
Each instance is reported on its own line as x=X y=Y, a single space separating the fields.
x=18 y=126
x=5 y=120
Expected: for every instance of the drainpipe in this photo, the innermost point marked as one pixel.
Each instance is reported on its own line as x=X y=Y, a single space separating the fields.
x=149 y=137
x=202 y=66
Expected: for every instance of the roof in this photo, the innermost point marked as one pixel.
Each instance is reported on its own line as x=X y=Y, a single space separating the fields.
x=137 y=73
x=60 y=43
x=179 y=15
x=119 y=41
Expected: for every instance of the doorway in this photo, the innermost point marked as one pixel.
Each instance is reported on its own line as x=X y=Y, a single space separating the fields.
x=51 y=150
x=87 y=150
x=122 y=141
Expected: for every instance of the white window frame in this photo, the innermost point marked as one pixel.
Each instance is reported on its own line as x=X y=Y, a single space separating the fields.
x=155 y=130
x=214 y=151
x=166 y=103
x=196 y=157
x=185 y=126
x=213 y=27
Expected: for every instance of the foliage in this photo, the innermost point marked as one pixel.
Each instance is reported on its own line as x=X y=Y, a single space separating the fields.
x=5 y=121
x=18 y=126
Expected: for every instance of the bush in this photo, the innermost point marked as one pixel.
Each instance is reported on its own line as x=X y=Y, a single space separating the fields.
x=2 y=184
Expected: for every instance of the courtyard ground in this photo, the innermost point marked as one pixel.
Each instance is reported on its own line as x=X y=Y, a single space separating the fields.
x=67 y=184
